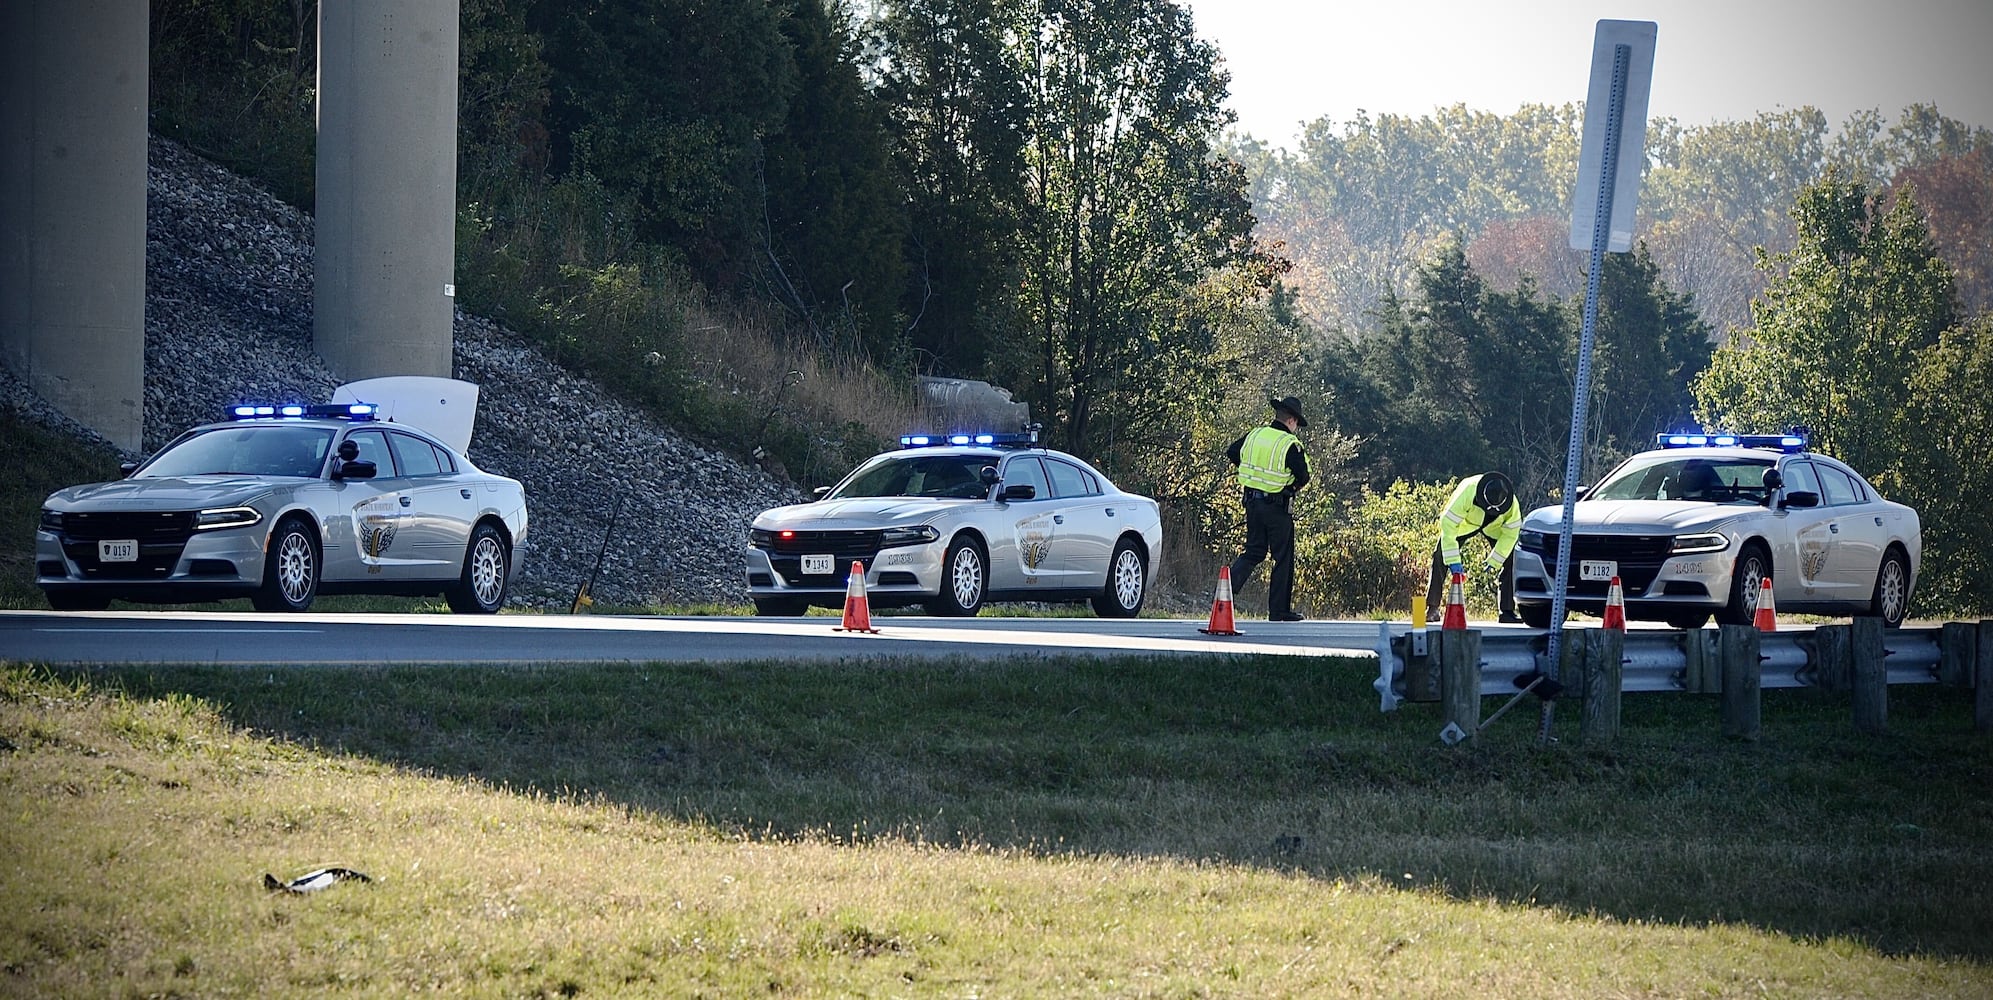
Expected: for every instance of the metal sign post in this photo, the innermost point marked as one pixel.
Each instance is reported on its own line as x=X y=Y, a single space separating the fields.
x=1622 y=72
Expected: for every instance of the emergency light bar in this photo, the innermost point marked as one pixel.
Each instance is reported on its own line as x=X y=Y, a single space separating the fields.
x=1794 y=440
x=1026 y=437
x=348 y=411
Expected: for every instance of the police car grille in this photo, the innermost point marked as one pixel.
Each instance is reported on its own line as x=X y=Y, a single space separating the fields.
x=1639 y=558
x=844 y=547
x=161 y=535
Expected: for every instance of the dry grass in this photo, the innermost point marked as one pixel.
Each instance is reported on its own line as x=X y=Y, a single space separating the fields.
x=1047 y=829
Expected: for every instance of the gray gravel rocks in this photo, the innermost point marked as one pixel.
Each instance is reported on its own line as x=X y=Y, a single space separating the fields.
x=228 y=318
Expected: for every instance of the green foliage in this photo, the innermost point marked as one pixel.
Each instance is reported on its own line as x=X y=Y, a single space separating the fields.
x=35 y=462
x=1369 y=555
x=236 y=81
x=1855 y=338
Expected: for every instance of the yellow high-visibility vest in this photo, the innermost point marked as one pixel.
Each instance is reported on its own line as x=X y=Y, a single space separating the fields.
x=1463 y=517
x=1263 y=459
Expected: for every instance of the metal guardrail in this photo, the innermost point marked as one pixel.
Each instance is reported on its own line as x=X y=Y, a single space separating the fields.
x=1656 y=660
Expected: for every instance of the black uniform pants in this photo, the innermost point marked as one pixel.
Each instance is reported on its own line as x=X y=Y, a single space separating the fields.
x=1269 y=531
x=1505 y=591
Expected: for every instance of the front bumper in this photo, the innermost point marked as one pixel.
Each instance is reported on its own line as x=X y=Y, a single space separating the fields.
x=1654 y=587
x=208 y=565
x=894 y=577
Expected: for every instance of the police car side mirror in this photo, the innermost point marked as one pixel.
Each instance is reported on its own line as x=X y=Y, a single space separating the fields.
x=1800 y=498
x=819 y=493
x=127 y=468
x=356 y=469
x=1021 y=491
x=1579 y=493
x=988 y=475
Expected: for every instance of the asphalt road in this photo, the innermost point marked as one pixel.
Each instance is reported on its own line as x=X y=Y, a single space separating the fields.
x=249 y=638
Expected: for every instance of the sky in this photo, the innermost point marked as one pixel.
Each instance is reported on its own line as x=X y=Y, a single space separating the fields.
x=1295 y=61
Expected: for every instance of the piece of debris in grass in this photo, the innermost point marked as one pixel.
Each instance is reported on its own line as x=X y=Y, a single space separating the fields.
x=312 y=881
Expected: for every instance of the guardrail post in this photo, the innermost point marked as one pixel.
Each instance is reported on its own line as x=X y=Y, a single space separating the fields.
x=1460 y=678
x=1741 y=671
x=1422 y=669
x=1702 y=663
x=1871 y=680
x=1955 y=654
x=1833 y=666
x=1982 y=679
x=1603 y=670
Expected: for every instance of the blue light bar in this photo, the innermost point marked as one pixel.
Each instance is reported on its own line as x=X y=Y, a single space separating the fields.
x=983 y=439
x=1792 y=441
x=348 y=411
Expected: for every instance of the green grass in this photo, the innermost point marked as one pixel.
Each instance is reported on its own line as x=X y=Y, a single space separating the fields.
x=1220 y=827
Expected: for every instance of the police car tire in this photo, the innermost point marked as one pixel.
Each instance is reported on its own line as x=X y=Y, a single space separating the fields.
x=780 y=607
x=1742 y=609
x=1535 y=615
x=1885 y=580
x=1109 y=603
x=292 y=536
x=463 y=598
x=76 y=600
x=948 y=604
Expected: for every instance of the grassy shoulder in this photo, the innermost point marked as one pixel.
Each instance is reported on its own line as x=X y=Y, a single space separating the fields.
x=1215 y=827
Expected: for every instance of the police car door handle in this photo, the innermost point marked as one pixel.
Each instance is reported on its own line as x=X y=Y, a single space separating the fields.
x=1058 y=519
x=406 y=501
x=466 y=494
x=1878 y=522
x=1833 y=528
x=1110 y=513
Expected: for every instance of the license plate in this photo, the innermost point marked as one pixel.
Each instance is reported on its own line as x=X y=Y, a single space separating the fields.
x=117 y=550
x=1597 y=569
x=819 y=565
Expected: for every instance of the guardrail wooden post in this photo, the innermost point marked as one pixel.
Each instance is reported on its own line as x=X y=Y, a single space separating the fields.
x=1422 y=669
x=1956 y=653
x=1741 y=673
x=1832 y=668
x=1702 y=664
x=1982 y=679
x=1871 y=680
x=1460 y=678
x=1603 y=668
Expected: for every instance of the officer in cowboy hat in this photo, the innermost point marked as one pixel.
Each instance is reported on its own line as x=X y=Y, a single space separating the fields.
x=1272 y=466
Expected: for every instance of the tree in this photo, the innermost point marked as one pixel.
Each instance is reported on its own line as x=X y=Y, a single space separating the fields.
x=1127 y=208
x=1837 y=333
x=1945 y=474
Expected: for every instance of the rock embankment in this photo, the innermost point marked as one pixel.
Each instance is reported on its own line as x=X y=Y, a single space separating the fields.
x=228 y=318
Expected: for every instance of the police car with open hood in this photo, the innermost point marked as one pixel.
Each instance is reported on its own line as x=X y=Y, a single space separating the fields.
x=282 y=502
x=951 y=522
x=1694 y=527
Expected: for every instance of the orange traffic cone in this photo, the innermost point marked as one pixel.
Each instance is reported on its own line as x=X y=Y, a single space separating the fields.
x=1615 y=606
x=1767 y=620
x=857 y=611
x=1456 y=605
x=1221 y=606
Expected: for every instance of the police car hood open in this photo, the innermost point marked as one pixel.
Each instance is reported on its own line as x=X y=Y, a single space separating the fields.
x=166 y=493
x=1639 y=517
x=856 y=513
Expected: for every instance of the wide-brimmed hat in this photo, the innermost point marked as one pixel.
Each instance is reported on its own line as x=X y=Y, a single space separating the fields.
x=1289 y=405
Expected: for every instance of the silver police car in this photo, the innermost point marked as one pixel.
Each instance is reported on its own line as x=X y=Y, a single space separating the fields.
x=280 y=504
x=1693 y=528
x=951 y=522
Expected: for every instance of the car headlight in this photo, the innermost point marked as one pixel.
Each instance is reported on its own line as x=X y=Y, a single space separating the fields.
x=51 y=520
x=226 y=517
x=1699 y=543
x=761 y=538
x=1535 y=541
x=919 y=534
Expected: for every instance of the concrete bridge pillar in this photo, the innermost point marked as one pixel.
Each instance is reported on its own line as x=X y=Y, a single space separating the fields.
x=385 y=259
x=73 y=92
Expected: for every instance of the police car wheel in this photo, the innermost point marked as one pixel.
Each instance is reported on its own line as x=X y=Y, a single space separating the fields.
x=1535 y=615
x=965 y=579
x=480 y=590
x=780 y=607
x=1754 y=564
x=76 y=600
x=1127 y=583
x=290 y=569
x=1891 y=601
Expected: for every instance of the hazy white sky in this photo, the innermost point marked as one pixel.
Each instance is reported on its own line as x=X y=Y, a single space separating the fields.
x=1298 y=60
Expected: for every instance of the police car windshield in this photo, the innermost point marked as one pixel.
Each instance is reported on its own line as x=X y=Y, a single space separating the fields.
x=243 y=449
x=1681 y=476
x=957 y=477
